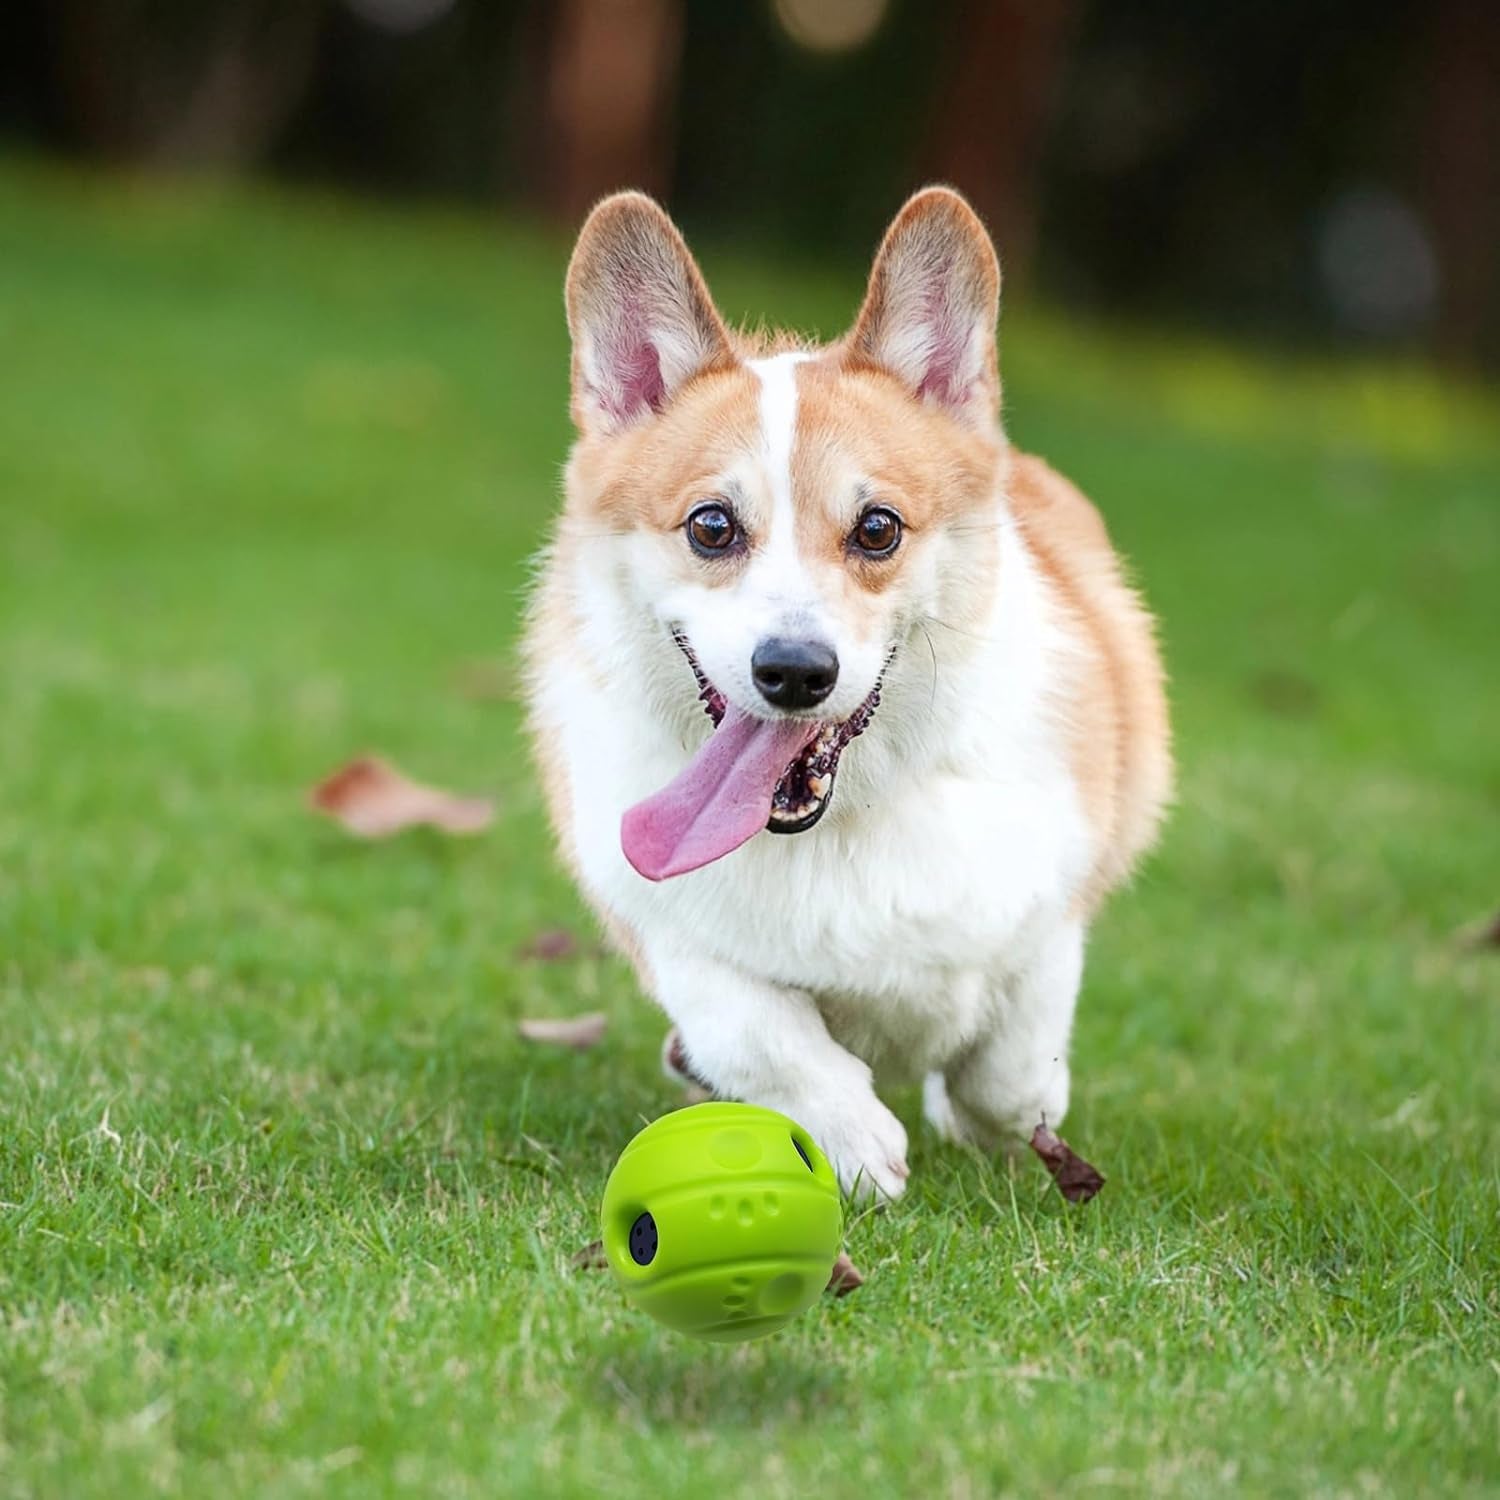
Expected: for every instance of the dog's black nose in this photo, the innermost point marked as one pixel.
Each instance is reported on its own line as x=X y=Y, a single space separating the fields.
x=794 y=674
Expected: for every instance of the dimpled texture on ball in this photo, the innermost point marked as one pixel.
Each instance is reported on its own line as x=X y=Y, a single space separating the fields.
x=746 y=1215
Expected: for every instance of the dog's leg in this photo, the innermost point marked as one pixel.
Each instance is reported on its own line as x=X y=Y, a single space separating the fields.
x=765 y=1044
x=1016 y=1075
x=674 y=1066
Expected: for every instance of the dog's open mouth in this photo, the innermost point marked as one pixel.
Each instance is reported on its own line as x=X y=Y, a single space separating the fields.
x=805 y=789
x=776 y=774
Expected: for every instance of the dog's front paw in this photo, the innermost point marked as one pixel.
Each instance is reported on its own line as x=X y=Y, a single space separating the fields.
x=865 y=1142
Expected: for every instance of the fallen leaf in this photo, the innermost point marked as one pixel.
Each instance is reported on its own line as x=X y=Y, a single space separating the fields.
x=555 y=944
x=1076 y=1179
x=845 y=1276
x=373 y=800
x=578 y=1032
x=1484 y=934
x=590 y=1258
x=551 y=945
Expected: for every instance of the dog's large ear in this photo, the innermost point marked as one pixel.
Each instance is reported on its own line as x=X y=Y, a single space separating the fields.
x=642 y=321
x=929 y=314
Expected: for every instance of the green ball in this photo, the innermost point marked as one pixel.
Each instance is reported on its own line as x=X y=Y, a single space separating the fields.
x=722 y=1221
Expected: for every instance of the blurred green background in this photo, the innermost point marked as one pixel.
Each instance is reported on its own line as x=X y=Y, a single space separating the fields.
x=286 y=1206
x=1323 y=172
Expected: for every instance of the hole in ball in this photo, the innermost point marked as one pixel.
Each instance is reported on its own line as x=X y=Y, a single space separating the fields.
x=806 y=1159
x=643 y=1240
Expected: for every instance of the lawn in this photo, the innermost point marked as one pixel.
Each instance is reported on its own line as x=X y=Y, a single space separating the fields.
x=286 y=1206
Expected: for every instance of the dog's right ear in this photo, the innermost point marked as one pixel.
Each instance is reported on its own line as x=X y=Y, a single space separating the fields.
x=642 y=321
x=929 y=315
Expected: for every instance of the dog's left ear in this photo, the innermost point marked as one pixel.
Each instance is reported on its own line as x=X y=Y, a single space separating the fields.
x=930 y=311
x=642 y=321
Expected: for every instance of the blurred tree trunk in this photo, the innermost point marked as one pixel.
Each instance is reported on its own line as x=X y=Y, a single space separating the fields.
x=1002 y=77
x=188 y=84
x=1461 y=176
x=610 y=100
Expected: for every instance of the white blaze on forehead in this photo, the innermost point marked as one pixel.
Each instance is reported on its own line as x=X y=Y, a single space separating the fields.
x=778 y=427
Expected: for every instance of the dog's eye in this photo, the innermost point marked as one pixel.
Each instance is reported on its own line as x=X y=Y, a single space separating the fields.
x=878 y=533
x=711 y=530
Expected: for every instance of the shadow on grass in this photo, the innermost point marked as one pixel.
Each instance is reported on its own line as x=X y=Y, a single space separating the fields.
x=648 y=1376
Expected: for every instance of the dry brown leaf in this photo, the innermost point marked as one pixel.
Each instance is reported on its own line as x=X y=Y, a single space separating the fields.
x=1484 y=934
x=845 y=1276
x=556 y=944
x=551 y=945
x=578 y=1032
x=373 y=800
x=590 y=1258
x=1076 y=1179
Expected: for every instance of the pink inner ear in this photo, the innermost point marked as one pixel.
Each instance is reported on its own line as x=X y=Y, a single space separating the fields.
x=943 y=380
x=639 y=380
x=635 y=382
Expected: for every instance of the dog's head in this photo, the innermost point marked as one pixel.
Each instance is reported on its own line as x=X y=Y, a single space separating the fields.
x=784 y=518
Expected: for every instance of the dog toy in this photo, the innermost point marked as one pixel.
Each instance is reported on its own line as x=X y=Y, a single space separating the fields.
x=722 y=1221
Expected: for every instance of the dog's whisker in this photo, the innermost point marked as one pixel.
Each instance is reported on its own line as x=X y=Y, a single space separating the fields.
x=932 y=651
x=972 y=635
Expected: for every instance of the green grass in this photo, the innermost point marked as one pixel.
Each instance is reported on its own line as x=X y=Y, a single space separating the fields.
x=285 y=1207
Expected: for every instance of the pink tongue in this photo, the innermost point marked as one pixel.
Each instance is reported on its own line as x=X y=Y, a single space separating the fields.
x=720 y=799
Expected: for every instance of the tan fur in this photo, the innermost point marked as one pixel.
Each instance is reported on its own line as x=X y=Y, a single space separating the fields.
x=653 y=475
x=915 y=461
x=1114 y=702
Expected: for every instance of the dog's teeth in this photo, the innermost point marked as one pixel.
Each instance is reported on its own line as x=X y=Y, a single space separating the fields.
x=818 y=786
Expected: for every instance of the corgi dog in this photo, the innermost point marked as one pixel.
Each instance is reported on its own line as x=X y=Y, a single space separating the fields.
x=846 y=718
